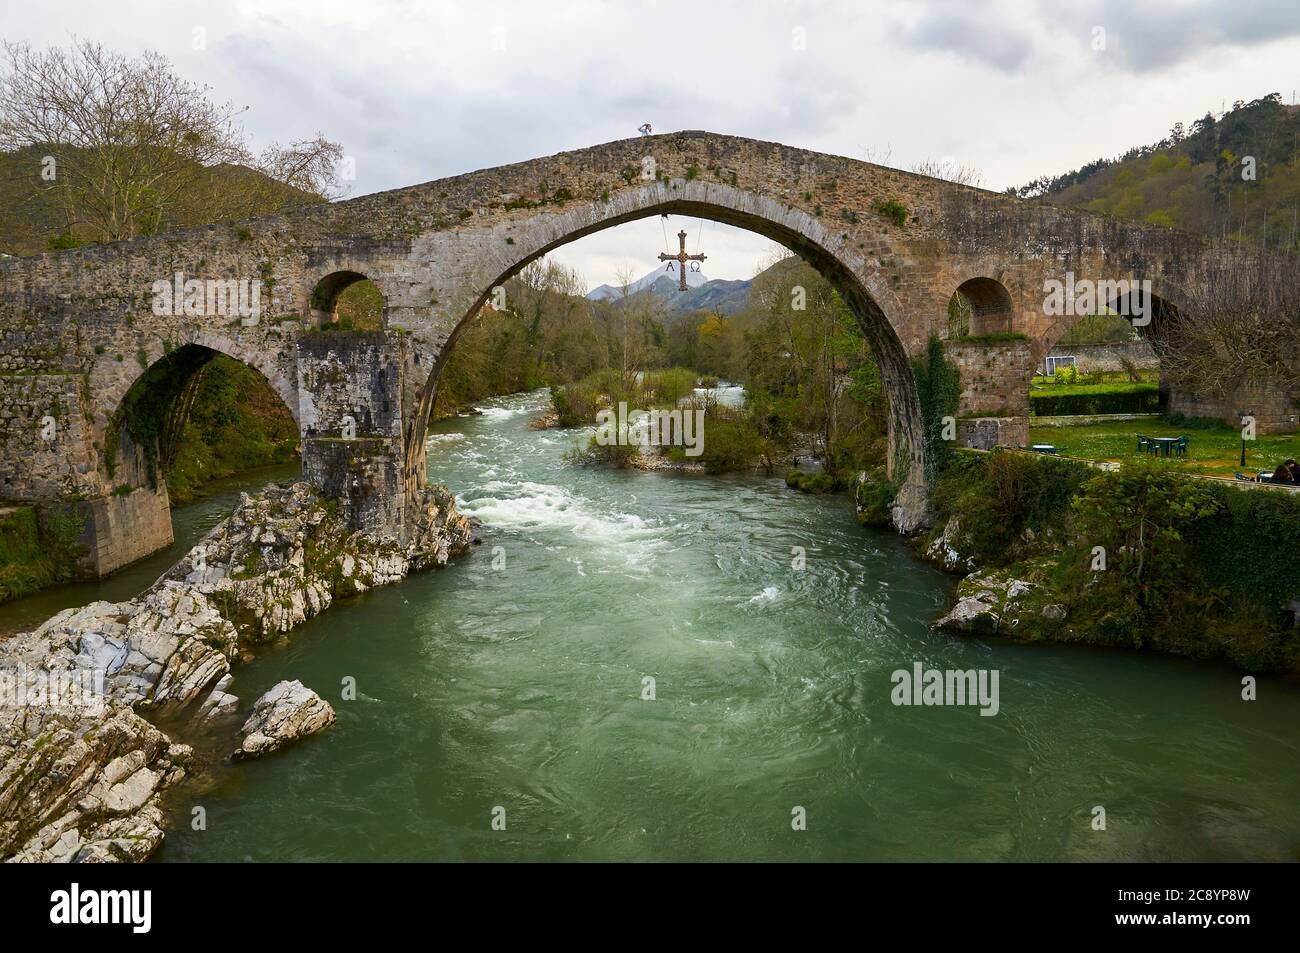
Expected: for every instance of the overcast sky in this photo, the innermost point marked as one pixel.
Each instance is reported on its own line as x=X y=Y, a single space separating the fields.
x=420 y=90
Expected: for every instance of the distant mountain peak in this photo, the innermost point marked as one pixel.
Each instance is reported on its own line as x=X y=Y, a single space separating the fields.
x=653 y=279
x=702 y=293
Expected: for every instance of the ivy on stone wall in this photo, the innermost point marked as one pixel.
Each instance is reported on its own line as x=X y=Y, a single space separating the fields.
x=938 y=390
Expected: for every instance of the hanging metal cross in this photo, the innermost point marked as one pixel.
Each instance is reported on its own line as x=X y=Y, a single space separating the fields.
x=682 y=258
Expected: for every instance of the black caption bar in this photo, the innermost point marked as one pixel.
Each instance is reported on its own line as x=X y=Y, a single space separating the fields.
x=156 y=902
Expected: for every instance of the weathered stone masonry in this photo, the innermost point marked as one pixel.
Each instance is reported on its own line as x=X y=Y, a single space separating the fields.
x=80 y=323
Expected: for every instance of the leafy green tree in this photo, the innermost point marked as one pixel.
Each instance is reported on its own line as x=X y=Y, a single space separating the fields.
x=1139 y=516
x=810 y=370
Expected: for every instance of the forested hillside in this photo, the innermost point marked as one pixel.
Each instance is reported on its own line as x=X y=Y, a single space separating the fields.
x=1237 y=175
x=36 y=217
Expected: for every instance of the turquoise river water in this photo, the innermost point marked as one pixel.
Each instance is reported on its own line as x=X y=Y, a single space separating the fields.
x=512 y=687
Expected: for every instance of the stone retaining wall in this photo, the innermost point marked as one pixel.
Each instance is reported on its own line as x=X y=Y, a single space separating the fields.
x=1106 y=357
x=1274 y=410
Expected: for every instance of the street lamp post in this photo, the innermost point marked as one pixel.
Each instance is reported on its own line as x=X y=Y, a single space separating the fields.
x=1242 y=415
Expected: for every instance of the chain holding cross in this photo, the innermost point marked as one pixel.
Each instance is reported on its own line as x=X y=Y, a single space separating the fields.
x=682 y=258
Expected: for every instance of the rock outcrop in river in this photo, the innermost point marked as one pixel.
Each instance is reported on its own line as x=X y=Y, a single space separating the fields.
x=81 y=772
x=287 y=712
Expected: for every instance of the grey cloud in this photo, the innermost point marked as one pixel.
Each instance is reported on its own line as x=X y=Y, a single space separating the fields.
x=416 y=91
x=1157 y=34
x=1141 y=37
x=972 y=31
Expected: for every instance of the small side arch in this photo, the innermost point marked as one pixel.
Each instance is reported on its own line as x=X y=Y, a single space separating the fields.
x=114 y=375
x=978 y=307
x=347 y=300
x=1153 y=325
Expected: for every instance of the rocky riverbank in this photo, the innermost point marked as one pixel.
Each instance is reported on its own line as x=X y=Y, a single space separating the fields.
x=990 y=602
x=81 y=771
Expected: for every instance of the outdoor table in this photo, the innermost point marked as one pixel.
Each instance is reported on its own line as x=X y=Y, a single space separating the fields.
x=1164 y=444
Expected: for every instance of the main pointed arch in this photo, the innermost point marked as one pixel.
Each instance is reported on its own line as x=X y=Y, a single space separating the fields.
x=861 y=284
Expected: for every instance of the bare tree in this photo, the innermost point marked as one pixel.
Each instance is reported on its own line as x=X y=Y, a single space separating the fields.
x=628 y=351
x=548 y=298
x=950 y=171
x=127 y=147
x=878 y=156
x=126 y=136
x=308 y=165
x=1239 y=323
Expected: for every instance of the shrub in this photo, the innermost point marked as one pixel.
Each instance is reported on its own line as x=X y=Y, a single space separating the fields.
x=997 y=496
x=1179 y=419
x=732 y=441
x=812 y=482
x=577 y=404
x=1140 y=515
x=872 y=496
x=39 y=549
x=893 y=210
x=1057 y=400
x=616 y=455
x=667 y=386
x=1248 y=545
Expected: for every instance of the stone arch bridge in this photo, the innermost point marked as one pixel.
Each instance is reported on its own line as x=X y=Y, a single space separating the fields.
x=81 y=326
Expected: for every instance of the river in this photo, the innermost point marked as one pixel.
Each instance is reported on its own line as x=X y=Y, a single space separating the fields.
x=515 y=679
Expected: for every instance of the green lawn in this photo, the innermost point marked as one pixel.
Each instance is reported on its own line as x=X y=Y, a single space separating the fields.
x=1215 y=452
